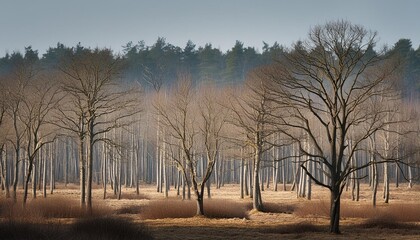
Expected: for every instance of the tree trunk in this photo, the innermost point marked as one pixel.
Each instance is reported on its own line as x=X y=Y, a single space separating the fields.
x=34 y=179
x=246 y=180
x=375 y=184
x=250 y=179
x=119 y=162
x=241 y=178
x=158 y=159
x=136 y=175
x=82 y=172
x=53 y=156
x=27 y=178
x=44 y=173
x=374 y=171
x=335 y=209
x=188 y=191
x=183 y=180
x=216 y=172
x=66 y=164
x=40 y=168
x=16 y=173
x=284 y=174
x=105 y=166
x=256 y=201
x=355 y=190
x=90 y=165
x=5 y=176
x=276 y=173
x=397 y=175
x=386 y=167
x=164 y=170
x=200 y=206
x=267 y=172
x=125 y=164
x=114 y=172
x=309 y=182
x=410 y=177
x=208 y=186
x=386 y=183
x=295 y=170
x=132 y=163
x=199 y=199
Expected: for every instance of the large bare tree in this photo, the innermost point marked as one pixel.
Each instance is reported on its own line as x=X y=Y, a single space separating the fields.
x=330 y=88
x=97 y=103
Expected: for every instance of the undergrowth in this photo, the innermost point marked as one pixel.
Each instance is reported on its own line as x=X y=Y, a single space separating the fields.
x=102 y=228
x=399 y=212
x=45 y=208
x=175 y=208
x=129 y=196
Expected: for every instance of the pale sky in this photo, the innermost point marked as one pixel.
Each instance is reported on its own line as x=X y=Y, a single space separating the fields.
x=106 y=23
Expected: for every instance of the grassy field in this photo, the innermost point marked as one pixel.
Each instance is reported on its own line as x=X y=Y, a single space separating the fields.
x=151 y=216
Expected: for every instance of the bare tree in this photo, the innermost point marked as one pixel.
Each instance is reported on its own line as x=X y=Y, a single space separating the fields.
x=252 y=114
x=212 y=123
x=176 y=114
x=333 y=79
x=190 y=132
x=40 y=99
x=98 y=104
x=71 y=118
x=156 y=80
x=3 y=133
x=23 y=70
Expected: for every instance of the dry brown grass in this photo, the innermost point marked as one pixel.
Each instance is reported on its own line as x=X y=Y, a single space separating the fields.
x=384 y=222
x=222 y=208
x=213 y=208
x=270 y=207
x=53 y=207
x=399 y=212
x=130 y=209
x=169 y=208
x=313 y=208
x=130 y=196
x=397 y=220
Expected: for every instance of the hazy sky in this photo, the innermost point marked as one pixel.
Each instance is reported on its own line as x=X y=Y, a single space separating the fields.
x=106 y=23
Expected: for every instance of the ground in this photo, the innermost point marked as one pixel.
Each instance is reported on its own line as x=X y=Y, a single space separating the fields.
x=287 y=218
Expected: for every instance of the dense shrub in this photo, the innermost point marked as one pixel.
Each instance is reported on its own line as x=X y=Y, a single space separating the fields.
x=175 y=208
x=220 y=208
x=169 y=208
x=270 y=207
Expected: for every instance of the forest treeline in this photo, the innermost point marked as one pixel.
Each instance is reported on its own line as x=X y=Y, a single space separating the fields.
x=330 y=110
x=206 y=63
